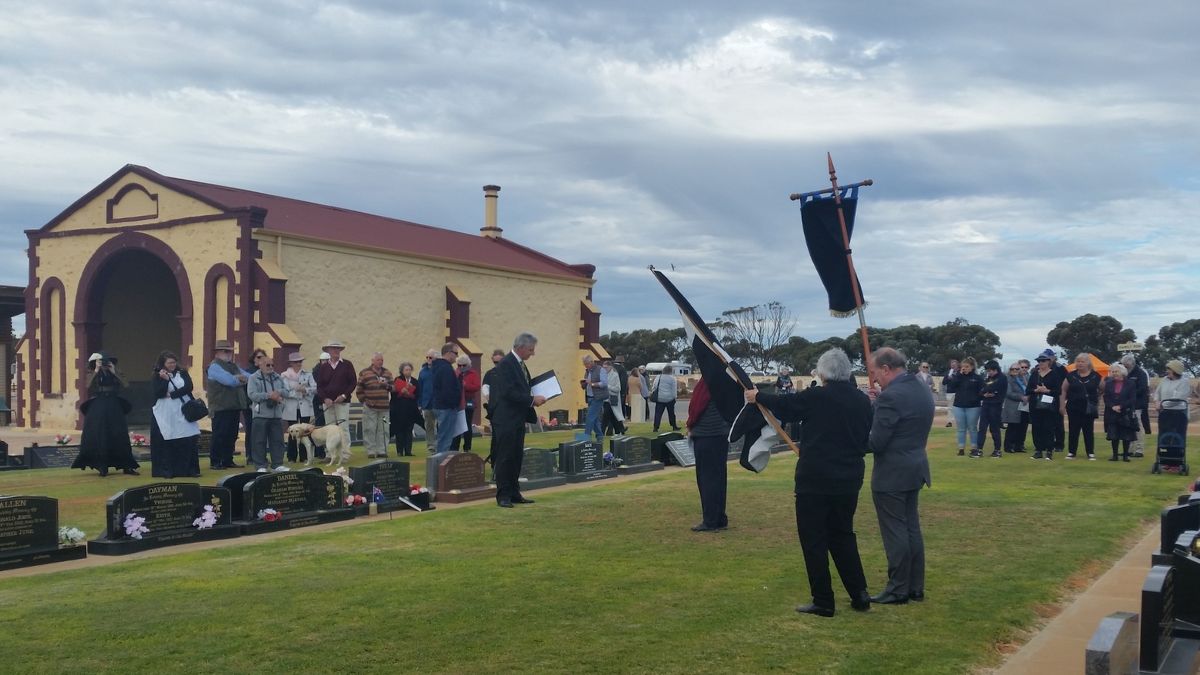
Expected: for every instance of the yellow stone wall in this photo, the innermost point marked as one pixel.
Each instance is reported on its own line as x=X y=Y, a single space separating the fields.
x=397 y=305
x=171 y=205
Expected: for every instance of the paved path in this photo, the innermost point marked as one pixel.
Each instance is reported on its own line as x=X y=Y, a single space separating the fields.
x=1059 y=647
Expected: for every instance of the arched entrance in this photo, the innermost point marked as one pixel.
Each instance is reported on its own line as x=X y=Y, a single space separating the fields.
x=136 y=303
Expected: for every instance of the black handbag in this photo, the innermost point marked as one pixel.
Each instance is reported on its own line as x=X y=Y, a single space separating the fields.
x=194 y=410
x=1091 y=409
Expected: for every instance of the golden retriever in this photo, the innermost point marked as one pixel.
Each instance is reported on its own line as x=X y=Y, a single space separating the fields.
x=329 y=436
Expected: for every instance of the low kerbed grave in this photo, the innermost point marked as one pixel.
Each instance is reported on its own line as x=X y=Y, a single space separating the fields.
x=289 y=499
x=456 y=477
x=658 y=447
x=163 y=514
x=633 y=455
x=29 y=533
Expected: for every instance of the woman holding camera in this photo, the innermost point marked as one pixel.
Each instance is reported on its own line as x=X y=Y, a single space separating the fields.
x=173 y=438
x=104 y=442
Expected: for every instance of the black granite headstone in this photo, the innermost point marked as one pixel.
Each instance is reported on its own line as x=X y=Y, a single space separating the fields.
x=583 y=461
x=51 y=456
x=300 y=498
x=539 y=469
x=29 y=533
x=682 y=451
x=658 y=447
x=236 y=484
x=1175 y=520
x=562 y=417
x=1158 y=616
x=170 y=510
x=634 y=452
x=392 y=478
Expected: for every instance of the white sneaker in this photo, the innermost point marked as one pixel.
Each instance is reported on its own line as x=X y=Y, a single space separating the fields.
x=281 y=468
x=262 y=470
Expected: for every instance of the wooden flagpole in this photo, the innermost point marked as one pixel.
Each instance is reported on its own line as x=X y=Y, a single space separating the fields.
x=862 y=321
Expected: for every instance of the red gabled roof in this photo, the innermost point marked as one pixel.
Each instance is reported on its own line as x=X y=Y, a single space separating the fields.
x=343 y=226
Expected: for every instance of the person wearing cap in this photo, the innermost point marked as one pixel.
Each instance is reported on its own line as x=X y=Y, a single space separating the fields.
x=1045 y=420
x=995 y=387
x=104 y=441
x=1080 y=404
x=374 y=391
x=425 y=399
x=1171 y=400
x=1140 y=380
x=336 y=381
x=319 y=407
x=298 y=393
x=226 y=392
x=266 y=390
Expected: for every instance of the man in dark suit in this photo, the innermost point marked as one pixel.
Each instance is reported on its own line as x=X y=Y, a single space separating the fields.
x=899 y=432
x=512 y=407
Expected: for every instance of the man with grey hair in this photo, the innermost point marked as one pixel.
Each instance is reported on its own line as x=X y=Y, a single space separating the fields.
x=1140 y=379
x=899 y=433
x=374 y=391
x=829 y=474
x=595 y=389
x=512 y=406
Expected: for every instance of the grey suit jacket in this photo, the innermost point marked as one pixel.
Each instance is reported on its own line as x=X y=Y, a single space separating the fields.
x=899 y=432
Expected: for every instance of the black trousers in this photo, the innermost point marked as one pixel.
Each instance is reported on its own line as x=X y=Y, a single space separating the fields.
x=295 y=449
x=989 y=420
x=825 y=524
x=224 y=435
x=1081 y=422
x=658 y=411
x=248 y=427
x=463 y=440
x=611 y=423
x=1014 y=436
x=712 y=473
x=1045 y=423
x=404 y=439
x=508 y=452
x=1144 y=413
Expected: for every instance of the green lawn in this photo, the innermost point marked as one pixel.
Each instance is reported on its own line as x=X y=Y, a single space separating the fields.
x=603 y=579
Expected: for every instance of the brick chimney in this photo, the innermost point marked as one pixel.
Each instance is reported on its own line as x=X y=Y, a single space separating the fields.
x=491 y=193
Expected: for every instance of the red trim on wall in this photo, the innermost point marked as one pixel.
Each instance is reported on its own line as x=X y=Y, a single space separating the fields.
x=56 y=345
x=589 y=332
x=210 y=306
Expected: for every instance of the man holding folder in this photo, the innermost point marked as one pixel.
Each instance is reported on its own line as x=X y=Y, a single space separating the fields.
x=512 y=405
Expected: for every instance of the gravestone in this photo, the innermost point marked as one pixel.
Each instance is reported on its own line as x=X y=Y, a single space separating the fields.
x=392 y=478
x=682 y=452
x=170 y=510
x=562 y=417
x=1175 y=520
x=29 y=533
x=1186 y=563
x=460 y=479
x=658 y=447
x=301 y=498
x=581 y=418
x=1113 y=648
x=236 y=483
x=583 y=461
x=1158 y=616
x=51 y=456
x=539 y=469
x=634 y=452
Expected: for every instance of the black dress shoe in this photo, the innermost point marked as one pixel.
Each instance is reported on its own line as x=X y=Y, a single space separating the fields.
x=861 y=603
x=504 y=504
x=917 y=597
x=815 y=609
x=130 y=472
x=889 y=599
x=706 y=528
x=103 y=472
x=522 y=500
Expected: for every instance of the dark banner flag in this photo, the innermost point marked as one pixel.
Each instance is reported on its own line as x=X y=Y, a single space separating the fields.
x=823 y=234
x=725 y=384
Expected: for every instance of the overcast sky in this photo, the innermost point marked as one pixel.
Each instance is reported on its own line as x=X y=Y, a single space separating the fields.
x=1032 y=161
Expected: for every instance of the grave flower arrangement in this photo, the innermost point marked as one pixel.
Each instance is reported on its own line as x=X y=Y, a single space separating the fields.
x=416 y=489
x=208 y=518
x=62 y=439
x=355 y=500
x=137 y=440
x=344 y=475
x=377 y=495
x=70 y=536
x=269 y=515
x=135 y=525
x=612 y=461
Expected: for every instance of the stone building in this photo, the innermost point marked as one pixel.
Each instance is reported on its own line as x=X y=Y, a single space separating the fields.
x=144 y=262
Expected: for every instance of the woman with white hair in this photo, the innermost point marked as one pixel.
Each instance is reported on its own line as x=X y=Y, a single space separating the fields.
x=1172 y=397
x=1015 y=414
x=1080 y=404
x=468 y=379
x=829 y=474
x=1120 y=410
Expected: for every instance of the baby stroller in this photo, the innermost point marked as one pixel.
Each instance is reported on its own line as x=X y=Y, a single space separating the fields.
x=1171 y=454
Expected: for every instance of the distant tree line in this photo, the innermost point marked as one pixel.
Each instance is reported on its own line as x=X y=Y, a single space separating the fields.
x=760 y=338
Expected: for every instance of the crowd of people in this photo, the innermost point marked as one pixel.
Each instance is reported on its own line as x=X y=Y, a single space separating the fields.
x=1038 y=399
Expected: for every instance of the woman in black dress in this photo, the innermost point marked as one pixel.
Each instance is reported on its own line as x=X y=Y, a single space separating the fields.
x=403 y=411
x=1080 y=403
x=173 y=439
x=104 y=442
x=1120 y=410
x=1043 y=389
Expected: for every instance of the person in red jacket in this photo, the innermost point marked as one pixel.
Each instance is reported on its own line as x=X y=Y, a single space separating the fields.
x=403 y=409
x=468 y=377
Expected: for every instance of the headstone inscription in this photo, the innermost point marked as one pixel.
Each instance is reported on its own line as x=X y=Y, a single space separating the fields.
x=298 y=498
x=1158 y=615
x=634 y=452
x=390 y=477
x=460 y=479
x=51 y=456
x=539 y=469
x=682 y=451
x=169 y=512
x=583 y=461
x=29 y=533
x=658 y=447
